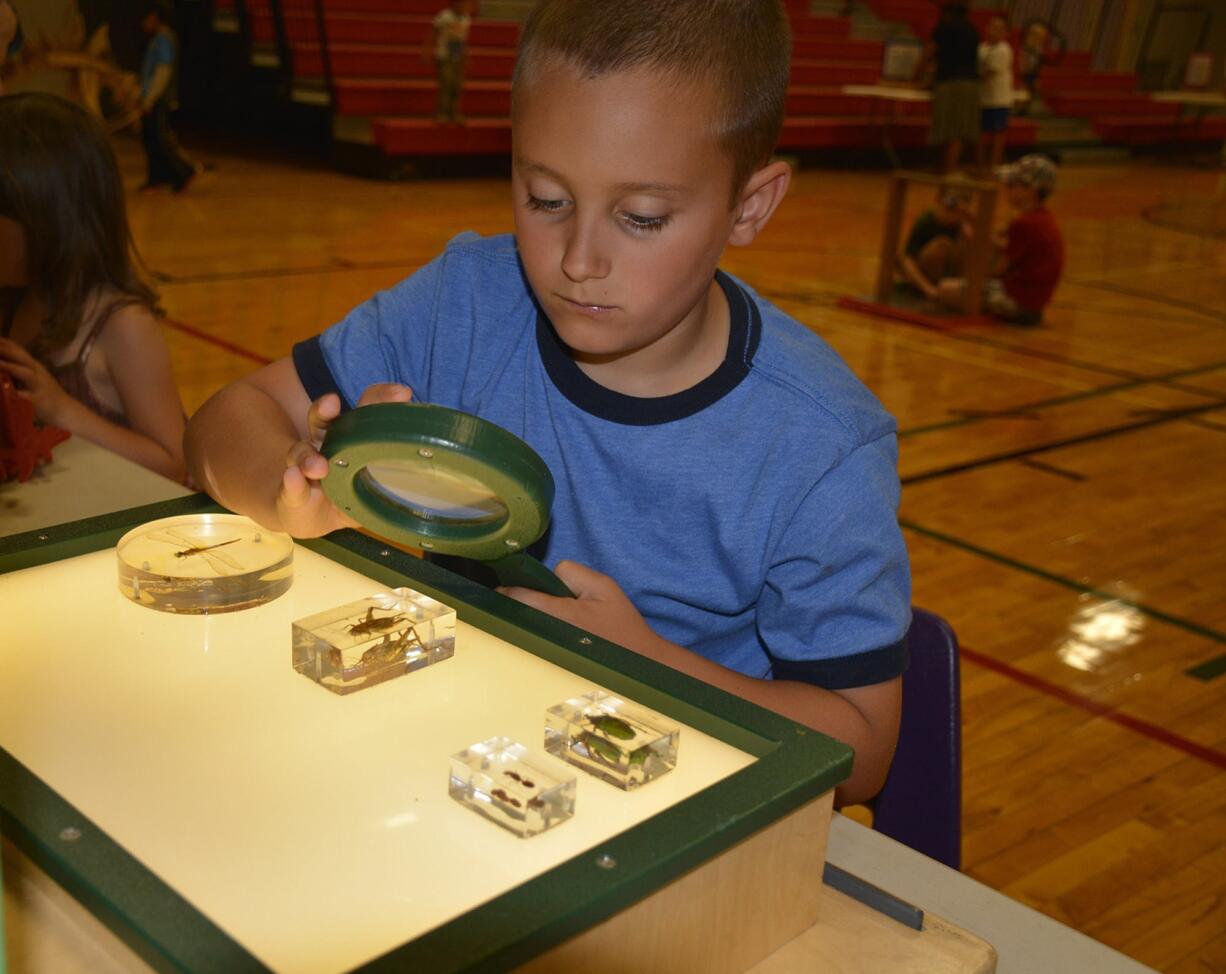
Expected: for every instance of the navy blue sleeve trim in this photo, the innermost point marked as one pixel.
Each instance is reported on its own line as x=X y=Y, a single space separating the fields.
x=844 y=672
x=313 y=371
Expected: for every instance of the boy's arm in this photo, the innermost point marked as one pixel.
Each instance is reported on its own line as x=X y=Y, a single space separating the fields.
x=254 y=447
x=864 y=717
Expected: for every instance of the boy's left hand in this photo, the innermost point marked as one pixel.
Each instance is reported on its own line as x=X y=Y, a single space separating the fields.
x=35 y=382
x=600 y=606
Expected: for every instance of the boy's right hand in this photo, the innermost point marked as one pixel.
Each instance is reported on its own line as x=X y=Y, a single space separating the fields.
x=302 y=507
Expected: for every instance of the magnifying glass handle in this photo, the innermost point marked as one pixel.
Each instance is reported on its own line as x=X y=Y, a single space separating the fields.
x=525 y=571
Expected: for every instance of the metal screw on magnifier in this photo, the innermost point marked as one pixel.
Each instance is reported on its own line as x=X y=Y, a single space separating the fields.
x=341 y=463
x=70 y=834
x=606 y=861
x=423 y=452
x=511 y=543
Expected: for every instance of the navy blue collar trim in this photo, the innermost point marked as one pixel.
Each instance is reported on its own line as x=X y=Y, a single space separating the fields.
x=744 y=333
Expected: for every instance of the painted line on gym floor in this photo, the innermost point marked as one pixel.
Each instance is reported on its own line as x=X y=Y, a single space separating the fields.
x=1136 y=724
x=204 y=336
x=1211 y=313
x=1208 y=424
x=1000 y=559
x=1154 y=419
x=1210 y=669
x=1053 y=469
x=1018 y=412
x=337 y=264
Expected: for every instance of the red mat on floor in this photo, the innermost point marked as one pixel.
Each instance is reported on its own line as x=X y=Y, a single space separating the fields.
x=938 y=322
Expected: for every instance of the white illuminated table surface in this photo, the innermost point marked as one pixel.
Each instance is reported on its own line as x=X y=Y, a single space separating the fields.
x=315 y=831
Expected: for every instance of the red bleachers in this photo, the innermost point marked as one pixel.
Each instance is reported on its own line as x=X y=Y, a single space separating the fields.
x=417 y=136
x=381 y=70
x=858 y=132
x=377 y=61
x=1129 y=130
x=378 y=29
x=921 y=16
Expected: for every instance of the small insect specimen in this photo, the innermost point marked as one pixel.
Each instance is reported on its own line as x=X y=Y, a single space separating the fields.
x=600 y=749
x=515 y=776
x=603 y=752
x=201 y=549
x=388 y=651
x=219 y=561
x=535 y=803
x=368 y=625
x=612 y=727
x=504 y=797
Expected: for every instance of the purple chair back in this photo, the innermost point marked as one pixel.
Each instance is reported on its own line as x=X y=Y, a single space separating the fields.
x=921 y=802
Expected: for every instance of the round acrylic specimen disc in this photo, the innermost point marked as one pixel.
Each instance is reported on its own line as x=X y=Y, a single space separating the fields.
x=437 y=479
x=202 y=563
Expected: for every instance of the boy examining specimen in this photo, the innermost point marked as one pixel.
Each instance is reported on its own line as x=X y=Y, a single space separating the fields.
x=935 y=243
x=729 y=481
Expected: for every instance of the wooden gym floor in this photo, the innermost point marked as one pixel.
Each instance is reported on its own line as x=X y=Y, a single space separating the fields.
x=1064 y=498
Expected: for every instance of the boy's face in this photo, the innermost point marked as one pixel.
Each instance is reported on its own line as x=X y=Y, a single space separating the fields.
x=622 y=210
x=1021 y=197
x=997 y=30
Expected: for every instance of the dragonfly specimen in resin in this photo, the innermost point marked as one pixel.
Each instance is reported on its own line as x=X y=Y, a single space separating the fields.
x=220 y=561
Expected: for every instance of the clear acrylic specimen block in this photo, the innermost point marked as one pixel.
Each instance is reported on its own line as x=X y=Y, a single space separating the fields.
x=506 y=783
x=197 y=564
x=622 y=743
x=364 y=643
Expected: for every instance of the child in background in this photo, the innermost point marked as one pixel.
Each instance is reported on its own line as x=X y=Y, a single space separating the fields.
x=167 y=166
x=936 y=241
x=449 y=39
x=996 y=90
x=79 y=330
x=731 y=483
x=1032 y=247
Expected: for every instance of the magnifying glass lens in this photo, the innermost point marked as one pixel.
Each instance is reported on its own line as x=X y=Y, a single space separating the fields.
x=432 y=494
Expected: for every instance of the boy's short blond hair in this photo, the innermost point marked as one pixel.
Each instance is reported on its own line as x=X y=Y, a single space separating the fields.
x=742 y=48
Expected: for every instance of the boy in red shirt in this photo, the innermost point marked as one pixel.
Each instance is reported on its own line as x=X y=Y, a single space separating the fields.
x=1032 y=246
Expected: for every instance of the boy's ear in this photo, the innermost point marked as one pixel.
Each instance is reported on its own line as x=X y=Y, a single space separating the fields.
x=761 y=196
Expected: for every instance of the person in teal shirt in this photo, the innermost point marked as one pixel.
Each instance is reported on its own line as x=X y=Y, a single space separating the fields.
x=168 y=168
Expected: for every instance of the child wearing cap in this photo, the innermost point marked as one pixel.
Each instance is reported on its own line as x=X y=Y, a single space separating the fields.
x=1031 y=246
x=936 y=241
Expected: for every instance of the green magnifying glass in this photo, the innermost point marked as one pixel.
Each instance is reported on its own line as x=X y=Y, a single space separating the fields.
x=444 y=481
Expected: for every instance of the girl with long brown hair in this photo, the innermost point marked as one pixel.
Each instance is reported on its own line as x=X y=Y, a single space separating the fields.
x=80 y=329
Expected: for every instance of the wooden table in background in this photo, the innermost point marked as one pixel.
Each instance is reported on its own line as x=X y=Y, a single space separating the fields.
x=82 y=480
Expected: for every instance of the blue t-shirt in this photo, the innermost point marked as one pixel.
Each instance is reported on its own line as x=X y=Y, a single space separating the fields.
x=160 y=51
x=750 y=518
